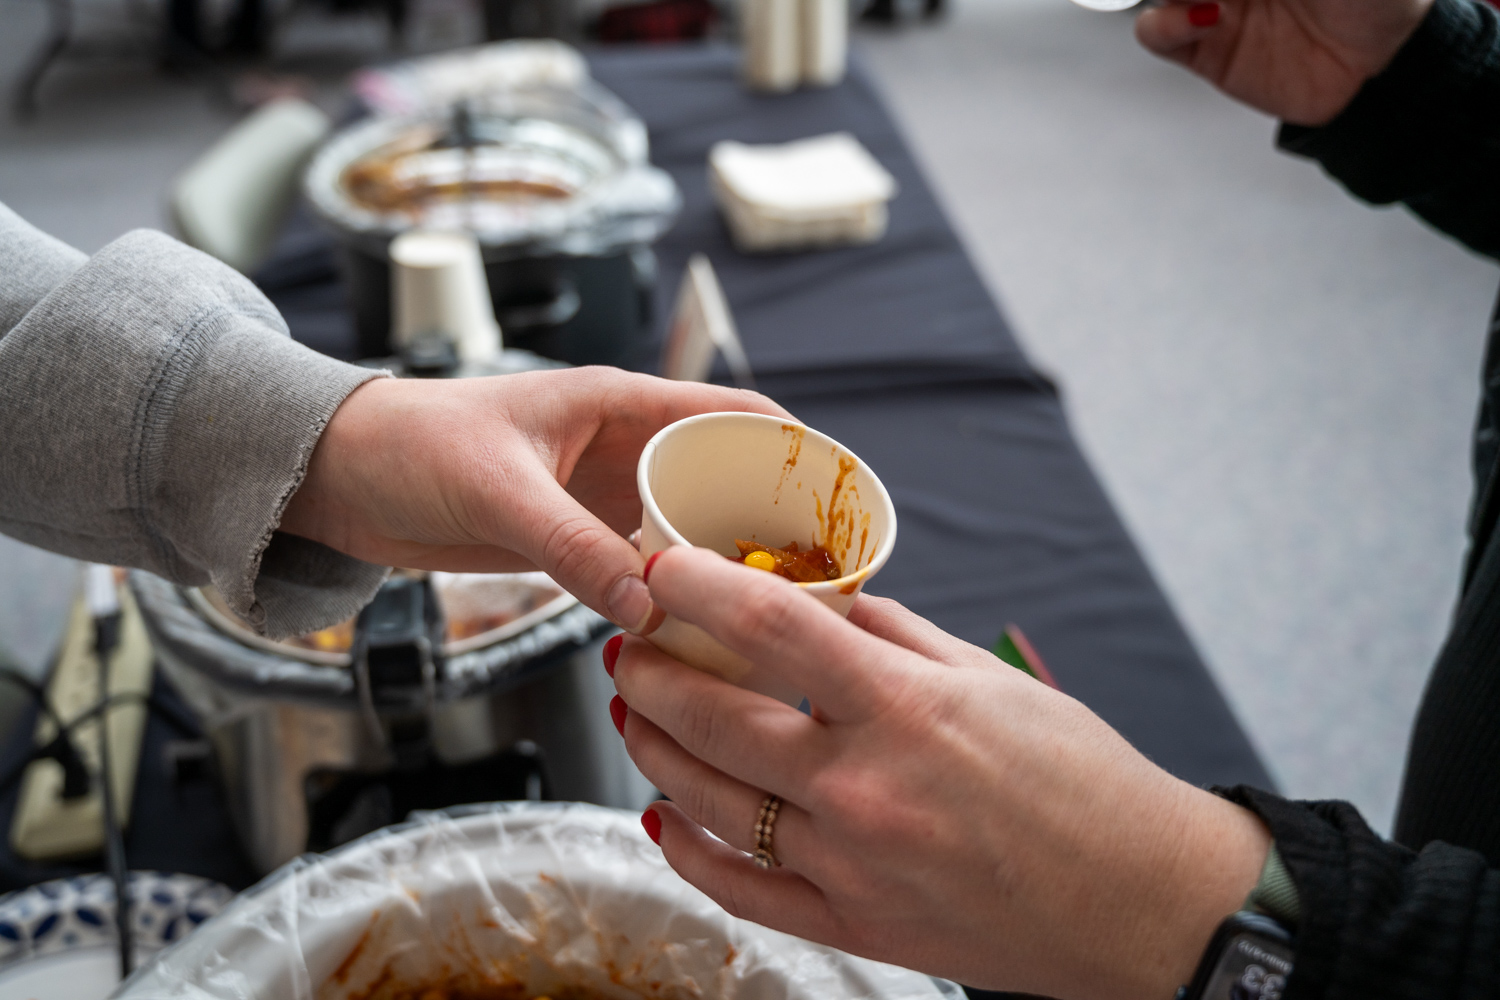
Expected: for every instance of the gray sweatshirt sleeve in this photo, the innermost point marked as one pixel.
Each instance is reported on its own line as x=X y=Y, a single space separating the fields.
x=155 y=413
x=31 y=265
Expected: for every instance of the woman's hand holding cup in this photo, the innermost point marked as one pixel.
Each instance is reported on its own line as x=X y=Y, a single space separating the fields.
x=941 y=810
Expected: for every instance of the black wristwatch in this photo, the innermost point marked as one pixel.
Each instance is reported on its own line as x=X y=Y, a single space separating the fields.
x=1250 y=956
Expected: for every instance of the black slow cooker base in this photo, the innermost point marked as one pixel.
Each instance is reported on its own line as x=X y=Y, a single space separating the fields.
x=603 y=304
x=343 y=805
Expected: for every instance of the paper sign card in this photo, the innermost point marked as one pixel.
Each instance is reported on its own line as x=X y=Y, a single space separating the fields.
x=701 y=326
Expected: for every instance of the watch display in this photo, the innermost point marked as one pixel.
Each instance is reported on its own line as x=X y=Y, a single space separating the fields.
x=1249 y=958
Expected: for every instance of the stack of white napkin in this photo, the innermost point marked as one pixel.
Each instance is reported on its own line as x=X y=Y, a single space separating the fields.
x=823 y=191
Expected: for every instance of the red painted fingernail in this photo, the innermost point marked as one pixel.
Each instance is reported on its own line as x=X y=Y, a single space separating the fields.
x=617 y=711
x=1203 y=15
x=649 y=563
x=651 y=820
x=612 y=653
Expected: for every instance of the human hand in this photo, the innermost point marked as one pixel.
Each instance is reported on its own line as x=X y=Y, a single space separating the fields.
x=942 y=810
x=498 y=474
x=1300 y=60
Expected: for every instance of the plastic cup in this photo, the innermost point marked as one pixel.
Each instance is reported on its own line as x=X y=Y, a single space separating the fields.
x=710 y=479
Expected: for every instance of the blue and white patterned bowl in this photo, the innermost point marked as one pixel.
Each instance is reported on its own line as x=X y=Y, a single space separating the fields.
x=42 y=923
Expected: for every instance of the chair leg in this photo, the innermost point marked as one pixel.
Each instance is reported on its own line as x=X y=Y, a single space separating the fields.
x=395 y=13
x=59 y=33
x=250 y=29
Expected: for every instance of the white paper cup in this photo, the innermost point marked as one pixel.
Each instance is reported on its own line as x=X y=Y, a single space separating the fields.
x=825 y=41
x=710 y=479
x=438 y=289
x=772 y=59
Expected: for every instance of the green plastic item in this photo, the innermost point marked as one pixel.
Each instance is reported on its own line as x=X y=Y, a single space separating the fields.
x=1005 y=647
x=1015 y=649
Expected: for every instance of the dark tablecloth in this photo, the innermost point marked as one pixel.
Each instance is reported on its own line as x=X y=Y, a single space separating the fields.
x=912 y=299
x=898 y=351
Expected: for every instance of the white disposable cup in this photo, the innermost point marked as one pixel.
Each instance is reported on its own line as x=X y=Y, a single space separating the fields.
x=710 y=479
x=438 y=289
x=825 y=41
x=772 y=59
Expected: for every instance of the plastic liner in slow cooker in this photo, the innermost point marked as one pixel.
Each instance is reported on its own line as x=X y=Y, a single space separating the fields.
x=459 y=74
x=180 y=631
x=530 y=898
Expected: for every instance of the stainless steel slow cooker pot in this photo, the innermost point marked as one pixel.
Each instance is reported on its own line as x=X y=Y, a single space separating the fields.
x=448 y=688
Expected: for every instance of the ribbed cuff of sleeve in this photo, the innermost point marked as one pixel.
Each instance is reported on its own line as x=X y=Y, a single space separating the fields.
x=1377 y=920
x=1275 y=892
x=1423 y=121
x=162 y=418
x=1318 y=843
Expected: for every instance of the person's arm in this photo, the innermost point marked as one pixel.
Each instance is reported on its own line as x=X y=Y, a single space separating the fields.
x=1397 y=99
x=154 y=413
x=1423 y=132
x=1376 y=919
x=528 y=471
x=31 y=265
x=946 y=812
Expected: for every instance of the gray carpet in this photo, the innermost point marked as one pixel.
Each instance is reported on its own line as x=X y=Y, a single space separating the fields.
x=1275 y=382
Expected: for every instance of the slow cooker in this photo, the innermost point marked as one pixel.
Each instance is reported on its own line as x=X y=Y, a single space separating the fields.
x=553 y=181
x=448 y=688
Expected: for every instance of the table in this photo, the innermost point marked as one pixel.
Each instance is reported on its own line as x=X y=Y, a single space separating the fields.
x=898 y=351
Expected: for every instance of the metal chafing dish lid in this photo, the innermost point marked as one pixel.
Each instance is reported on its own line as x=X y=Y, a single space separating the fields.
x=547 y=168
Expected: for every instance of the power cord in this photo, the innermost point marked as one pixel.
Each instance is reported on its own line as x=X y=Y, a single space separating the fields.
x=102 y=595
x=103 y=603
x=61 y=748
x=76 y=778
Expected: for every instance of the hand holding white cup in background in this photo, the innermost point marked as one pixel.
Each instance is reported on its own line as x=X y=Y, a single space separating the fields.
x=1299 y=60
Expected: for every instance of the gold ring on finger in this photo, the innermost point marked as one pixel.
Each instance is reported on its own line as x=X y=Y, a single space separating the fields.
x=765 y=827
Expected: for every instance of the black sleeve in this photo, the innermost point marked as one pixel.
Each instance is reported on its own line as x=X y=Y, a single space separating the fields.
x=1378 y=920
x=1426 y=131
